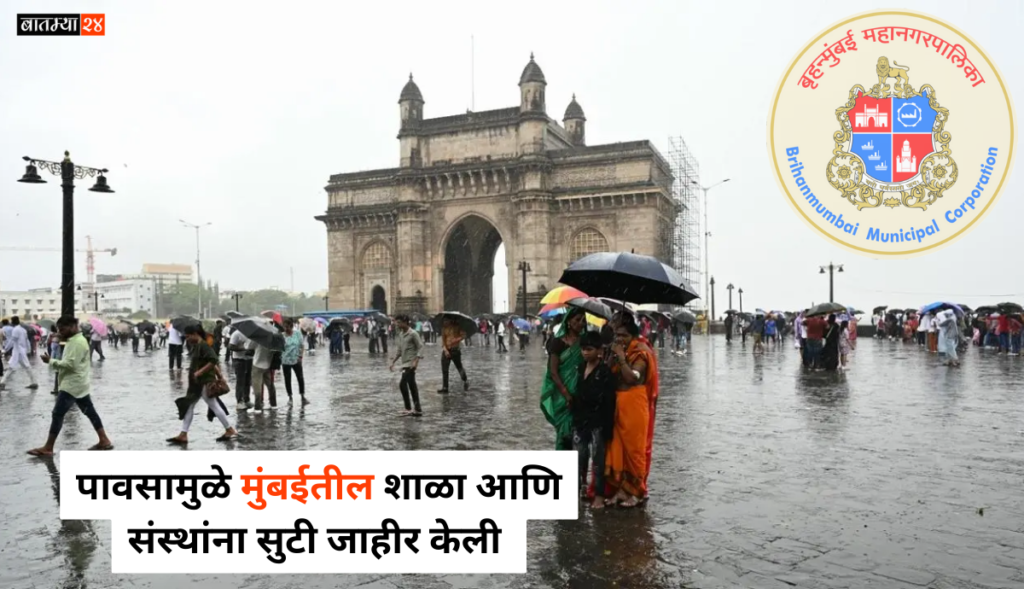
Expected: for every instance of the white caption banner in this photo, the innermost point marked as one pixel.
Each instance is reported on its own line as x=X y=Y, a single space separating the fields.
x=256 y=509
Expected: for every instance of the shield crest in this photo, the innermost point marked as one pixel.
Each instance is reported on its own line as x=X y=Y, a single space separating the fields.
x=892 y=148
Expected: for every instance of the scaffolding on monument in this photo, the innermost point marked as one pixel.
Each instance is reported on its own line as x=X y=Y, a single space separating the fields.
x=686 y=230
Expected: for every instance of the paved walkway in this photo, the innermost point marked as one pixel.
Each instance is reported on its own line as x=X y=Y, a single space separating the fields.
x=900 y=474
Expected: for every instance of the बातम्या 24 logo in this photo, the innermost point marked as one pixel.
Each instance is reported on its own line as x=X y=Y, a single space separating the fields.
x=861 y=133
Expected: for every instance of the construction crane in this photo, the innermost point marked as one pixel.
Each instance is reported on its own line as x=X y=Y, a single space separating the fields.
x=90 y=255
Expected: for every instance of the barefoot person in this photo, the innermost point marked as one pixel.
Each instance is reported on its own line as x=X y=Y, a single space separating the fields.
x=203 y=370
x=73 y=383
x=626 y=460
x=593 y=413
x=409 y=351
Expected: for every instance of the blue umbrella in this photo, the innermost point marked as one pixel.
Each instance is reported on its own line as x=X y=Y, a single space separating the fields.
x=939 y=305
x=521 y=324
x=554 y=312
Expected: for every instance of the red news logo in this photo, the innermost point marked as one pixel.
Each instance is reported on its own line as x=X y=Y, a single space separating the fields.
x=62 y=25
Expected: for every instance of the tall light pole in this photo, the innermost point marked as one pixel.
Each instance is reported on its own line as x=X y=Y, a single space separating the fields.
x=832 y=268
x=237 y=296
x=199 y=275
x=729 y=288
x=67 y=171
x=707 y=230
x=741 y=300
x=326 y=299
x=712 y=304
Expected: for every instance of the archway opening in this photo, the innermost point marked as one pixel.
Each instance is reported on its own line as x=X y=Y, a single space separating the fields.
x=379 y=299
x=469 y=267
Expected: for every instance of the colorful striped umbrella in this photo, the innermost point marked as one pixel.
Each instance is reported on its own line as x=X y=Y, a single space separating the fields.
x=561 y=294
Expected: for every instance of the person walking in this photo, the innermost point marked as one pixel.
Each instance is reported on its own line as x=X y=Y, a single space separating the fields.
x=262 y=360
x=218 y=337
x=408 y=351
x=241 y=353
x=135 y=340
x=500 y=332
x=147 y=338
x=451 y=340
x=291 y=360
x=203 y=371
x=97 y=345
x=175 y=348
x=72 y=370
x=16 y=347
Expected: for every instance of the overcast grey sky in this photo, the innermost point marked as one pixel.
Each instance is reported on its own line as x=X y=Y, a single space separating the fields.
x=237 y=113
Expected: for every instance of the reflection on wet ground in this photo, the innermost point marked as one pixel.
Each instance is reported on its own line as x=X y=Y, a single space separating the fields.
x=764 y=476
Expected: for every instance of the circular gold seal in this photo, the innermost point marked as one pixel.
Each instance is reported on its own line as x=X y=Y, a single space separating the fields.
x=891 y=133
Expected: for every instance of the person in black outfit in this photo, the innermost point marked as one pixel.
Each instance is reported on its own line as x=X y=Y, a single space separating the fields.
x=218 y=337
x=593 y=413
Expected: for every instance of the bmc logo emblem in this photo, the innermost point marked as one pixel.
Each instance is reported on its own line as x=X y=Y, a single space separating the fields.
x=861 y=133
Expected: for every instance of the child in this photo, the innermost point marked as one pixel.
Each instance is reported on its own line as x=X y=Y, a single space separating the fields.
x=593 y=412
x=844 y=344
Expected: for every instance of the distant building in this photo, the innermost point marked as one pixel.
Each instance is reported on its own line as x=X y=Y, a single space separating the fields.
x=167 y=273
x=43 y=303
x=127 y=296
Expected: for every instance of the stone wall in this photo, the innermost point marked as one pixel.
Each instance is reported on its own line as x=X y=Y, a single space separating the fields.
x=496 y=142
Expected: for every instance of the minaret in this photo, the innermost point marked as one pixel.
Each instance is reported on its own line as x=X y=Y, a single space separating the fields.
x=575 y=122
x=410 y=104
x=533 y=119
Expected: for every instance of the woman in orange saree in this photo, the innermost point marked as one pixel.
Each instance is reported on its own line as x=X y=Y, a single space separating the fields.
x=626 y=462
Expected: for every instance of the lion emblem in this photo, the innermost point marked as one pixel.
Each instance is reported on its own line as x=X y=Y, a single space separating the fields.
x=898 y=73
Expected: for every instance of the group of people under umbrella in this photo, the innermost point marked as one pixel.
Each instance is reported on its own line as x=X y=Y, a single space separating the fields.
x=600 y=389
x=947 y=328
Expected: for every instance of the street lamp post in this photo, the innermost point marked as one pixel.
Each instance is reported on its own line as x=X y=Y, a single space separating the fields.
x=741 y=300
x=712 y=283
x=832 y=269
x=524 y=267
x=199 y=274
x=707 y=230
x=326 y=299
x=237 y=296
x=729 y=288
x=96 y=300
x=67 y=171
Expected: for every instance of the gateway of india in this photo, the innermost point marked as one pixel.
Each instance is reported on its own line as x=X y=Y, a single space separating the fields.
x=422 y=237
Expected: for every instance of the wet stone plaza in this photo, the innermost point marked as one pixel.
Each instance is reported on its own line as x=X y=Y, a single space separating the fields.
x=899 y=474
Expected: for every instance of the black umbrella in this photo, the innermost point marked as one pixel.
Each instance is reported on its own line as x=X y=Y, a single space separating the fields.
x=232 y=315
x=592 y=306
x=825 y=309
x=1009 y=308
x=146 y=326
x=628 y=277
x=879 y=309
x=467 y=324
x=339 y=323
x=986 y=310
x=965 y=308
x=181 y=322
x=684 y=316
x=261 y=331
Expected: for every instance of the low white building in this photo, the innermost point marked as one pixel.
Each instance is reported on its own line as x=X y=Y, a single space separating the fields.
x=126 y=296
x=43 y=303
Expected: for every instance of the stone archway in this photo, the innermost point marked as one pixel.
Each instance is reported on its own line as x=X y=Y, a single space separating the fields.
x=379 y=299
x=469 y=265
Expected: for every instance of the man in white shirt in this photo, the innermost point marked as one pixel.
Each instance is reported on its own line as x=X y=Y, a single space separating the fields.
x=933 y=333
x=501 y=337
x=16 y=344
x=241 y=359
x=261 y=362
x=175 y=348
x=922 y=330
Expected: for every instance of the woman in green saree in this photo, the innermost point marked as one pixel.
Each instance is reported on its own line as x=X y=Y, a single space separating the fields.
x=564 y=359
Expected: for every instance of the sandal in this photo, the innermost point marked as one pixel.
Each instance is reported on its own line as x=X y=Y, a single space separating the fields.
x=178 y=441
x=40 y=453
x=102 y=447
x=227 y=437
x=416 y=414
